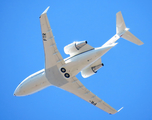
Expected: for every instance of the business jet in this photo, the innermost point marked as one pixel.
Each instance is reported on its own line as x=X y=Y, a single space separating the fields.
x=83 y=58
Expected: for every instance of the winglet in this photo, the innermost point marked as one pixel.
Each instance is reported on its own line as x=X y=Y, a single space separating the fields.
x=120 y=109
x=45 y=11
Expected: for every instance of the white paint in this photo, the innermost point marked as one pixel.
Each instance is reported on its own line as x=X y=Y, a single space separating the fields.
x=82 y=58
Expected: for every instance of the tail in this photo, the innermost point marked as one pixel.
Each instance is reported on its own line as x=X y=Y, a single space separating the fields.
x=123 y=32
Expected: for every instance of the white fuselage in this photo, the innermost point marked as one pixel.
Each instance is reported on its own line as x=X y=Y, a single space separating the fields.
x=74 y=65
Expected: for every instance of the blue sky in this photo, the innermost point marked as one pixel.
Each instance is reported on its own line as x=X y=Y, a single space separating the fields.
x=125 y=80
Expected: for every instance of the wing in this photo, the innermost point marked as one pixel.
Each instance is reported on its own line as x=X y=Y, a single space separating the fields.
x=77 y=88
x=52 y=55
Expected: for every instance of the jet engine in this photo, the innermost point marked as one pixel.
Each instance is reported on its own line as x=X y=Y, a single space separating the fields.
x=87 y=72
x=74 y=47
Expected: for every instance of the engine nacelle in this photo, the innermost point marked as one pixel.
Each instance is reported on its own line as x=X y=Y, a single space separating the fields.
x=74 y=47
x=87 y=72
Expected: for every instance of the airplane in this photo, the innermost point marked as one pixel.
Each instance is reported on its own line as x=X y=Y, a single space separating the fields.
x=83 y=58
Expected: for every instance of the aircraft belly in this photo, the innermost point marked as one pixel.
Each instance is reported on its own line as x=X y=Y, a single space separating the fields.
x=55 y=77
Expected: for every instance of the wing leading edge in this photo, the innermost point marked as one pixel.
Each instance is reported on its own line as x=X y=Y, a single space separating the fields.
x=52 y=55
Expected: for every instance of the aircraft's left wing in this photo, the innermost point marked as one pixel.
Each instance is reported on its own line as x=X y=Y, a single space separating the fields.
x=76 y=87
x=52 y=55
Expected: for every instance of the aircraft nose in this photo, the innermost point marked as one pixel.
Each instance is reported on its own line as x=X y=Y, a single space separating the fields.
x=15 y=93
x=22 y=88
x=18 y=91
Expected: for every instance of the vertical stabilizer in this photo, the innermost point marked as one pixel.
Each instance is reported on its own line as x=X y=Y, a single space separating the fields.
x=120 y=24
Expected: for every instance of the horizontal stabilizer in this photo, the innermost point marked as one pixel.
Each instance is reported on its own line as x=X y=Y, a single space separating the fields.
x=130 y=37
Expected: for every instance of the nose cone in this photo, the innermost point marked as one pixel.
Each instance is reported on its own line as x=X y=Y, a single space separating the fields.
x=21 y=88
x=18 y=91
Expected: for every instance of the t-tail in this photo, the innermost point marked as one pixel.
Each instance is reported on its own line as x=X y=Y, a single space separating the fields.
x=122 y=31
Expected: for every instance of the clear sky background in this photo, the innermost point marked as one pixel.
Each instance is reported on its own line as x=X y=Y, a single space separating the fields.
x=124 y=81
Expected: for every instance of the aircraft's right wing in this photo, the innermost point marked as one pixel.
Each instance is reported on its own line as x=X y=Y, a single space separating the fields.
x=76 y=87
x=52 y=55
